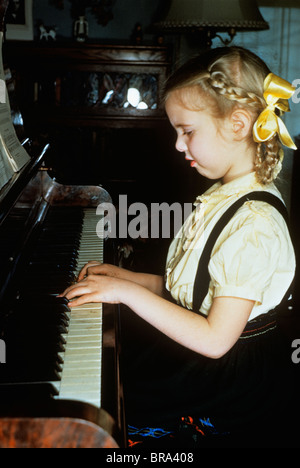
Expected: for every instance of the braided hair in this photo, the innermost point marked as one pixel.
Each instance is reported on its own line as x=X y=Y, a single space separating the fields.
x=230 y=77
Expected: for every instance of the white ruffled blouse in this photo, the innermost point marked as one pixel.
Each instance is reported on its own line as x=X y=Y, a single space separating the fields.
x=252 y=259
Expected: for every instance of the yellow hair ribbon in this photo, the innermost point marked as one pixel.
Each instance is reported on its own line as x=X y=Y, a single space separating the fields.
x=277 y=91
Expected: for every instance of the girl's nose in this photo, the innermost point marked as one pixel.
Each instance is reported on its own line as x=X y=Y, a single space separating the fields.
x=180 y=144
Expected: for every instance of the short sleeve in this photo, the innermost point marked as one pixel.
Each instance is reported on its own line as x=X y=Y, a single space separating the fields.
x=248 y=256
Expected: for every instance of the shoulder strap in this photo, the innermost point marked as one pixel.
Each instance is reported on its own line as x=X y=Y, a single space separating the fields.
x=202 y=278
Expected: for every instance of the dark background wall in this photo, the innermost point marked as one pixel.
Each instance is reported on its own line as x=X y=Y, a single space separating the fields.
x=126 y=13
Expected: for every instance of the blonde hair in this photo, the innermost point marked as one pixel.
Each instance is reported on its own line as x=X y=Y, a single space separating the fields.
x=230 y=77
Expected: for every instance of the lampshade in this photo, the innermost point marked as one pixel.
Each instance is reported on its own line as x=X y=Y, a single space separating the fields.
x=221 y=15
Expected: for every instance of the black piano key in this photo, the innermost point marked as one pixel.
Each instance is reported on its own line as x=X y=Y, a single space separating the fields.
x=31 y=280
x=30 y=363
x=35 y=326
x=46 y=299
x=20 y=373
x=52 y=266
x=29 y=340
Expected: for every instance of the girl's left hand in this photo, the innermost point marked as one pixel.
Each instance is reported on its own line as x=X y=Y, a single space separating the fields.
x=94 y=288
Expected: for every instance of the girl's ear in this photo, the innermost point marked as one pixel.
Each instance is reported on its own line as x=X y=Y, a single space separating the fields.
x=241 y=123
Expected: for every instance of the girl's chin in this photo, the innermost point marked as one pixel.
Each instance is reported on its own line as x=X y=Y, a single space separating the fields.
x=208 y=175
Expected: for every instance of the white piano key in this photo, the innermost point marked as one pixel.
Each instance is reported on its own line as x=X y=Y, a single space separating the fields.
x=81 y=369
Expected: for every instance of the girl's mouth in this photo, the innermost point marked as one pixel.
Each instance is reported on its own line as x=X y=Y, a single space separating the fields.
x=192 y=163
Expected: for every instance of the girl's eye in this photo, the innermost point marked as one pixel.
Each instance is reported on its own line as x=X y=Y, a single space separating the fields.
x=188 y=132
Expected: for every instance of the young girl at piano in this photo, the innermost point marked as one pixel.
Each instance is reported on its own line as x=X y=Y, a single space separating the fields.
x=220 y=368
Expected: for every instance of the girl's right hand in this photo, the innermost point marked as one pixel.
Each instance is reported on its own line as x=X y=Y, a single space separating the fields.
x=97 y=268
x=154 y=283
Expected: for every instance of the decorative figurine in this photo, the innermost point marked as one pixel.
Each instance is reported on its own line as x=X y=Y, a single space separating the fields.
x=81 y=29
x=137 y=34
x=47 y=33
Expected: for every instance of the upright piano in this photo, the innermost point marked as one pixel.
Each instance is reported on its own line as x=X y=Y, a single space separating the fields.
x=60 y=385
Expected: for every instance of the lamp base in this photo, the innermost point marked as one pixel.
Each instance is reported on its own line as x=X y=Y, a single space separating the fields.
x=204 y=37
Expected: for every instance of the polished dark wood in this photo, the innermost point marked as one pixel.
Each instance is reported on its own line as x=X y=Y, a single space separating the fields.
x=53 y=433
x=42 y=71
x=11 y=192
x=45 y=423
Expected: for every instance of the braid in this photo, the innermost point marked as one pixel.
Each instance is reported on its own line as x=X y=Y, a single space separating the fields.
x=267 y=160
x=234 y=93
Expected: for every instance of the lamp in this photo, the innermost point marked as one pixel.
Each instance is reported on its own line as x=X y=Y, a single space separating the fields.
x=207 y=17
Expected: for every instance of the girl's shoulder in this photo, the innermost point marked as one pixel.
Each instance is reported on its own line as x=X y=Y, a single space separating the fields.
x=267 y=210
x=258 y=218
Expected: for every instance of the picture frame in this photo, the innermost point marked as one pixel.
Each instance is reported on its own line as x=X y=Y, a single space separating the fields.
x=19 y=22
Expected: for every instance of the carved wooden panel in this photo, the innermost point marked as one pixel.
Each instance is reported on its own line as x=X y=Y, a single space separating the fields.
x=90 y=85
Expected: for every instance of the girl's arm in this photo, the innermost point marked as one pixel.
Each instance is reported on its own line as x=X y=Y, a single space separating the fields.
x=212 y=336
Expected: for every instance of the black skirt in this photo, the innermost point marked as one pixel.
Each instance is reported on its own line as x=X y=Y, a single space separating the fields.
x=168 y=386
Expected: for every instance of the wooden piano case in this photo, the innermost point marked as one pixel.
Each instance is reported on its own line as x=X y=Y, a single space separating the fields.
x=29 y=415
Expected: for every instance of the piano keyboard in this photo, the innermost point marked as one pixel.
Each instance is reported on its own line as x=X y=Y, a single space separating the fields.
x=46 y=342
x=81 y=368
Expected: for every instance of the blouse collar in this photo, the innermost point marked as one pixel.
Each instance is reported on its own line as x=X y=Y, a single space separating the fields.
x=235 y=187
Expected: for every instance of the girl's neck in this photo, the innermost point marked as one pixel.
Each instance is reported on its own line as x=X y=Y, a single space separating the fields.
x=237 y=175
x=244 y=163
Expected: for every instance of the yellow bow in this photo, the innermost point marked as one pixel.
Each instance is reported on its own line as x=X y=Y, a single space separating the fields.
x=276 y=94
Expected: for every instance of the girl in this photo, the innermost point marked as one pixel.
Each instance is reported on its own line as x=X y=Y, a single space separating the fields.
x=219 y=365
